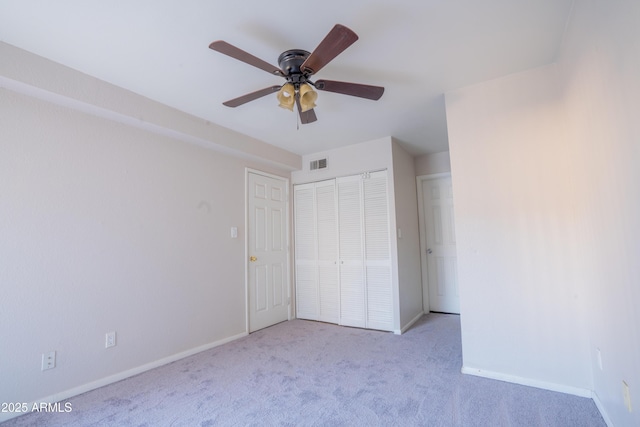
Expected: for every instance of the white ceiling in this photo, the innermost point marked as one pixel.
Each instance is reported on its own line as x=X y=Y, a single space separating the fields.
x=416 y=49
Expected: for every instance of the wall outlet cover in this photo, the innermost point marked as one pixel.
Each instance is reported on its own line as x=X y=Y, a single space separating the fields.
x=110 y=340
x=48 y=360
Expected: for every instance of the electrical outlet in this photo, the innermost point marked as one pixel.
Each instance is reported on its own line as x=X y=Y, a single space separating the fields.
x=48 y=360
x=599 y=357
x=627 y=395
x=110 y=340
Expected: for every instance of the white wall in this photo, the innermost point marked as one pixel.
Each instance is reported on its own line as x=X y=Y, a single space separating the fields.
x=407 y=235
x=350 y=160
x=547 y=189
x=27 y=73
x=600 y=66
x=433 y=163
x=523 y=315
x=111 y=227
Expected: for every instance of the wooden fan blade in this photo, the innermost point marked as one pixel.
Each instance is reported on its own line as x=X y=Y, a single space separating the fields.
x=239 y=54
x=251 y=96
x=334 y=43
x=306 y=117
x=353 y=89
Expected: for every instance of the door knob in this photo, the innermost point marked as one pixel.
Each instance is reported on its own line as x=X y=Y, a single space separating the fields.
x=252 y=259
x=429 y=251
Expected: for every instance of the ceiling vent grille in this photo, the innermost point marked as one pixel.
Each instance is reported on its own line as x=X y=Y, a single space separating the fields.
x=318 y=164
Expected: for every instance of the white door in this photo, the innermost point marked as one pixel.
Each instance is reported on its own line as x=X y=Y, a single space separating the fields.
x=268 y=278
x=327 y=229
x=343 y=255
x=366 y=297
x=316 y=252
x=351 y=249
x=306 y=252
x=440 y=245
x=377 y=249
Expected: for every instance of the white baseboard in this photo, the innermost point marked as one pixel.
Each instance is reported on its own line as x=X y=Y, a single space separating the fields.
x=576 y=391
x=66 y=394
x=600 y=406
x=408 y=325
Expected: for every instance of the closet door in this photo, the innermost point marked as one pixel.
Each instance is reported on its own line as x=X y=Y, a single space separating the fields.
x=379 y=295
x=327 y=250
x=343 y=260
x=305 y=252
x=351 y=247
x=316 y=253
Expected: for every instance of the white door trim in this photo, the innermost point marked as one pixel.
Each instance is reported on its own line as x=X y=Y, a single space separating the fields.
x=423 y=235
x=246 y=240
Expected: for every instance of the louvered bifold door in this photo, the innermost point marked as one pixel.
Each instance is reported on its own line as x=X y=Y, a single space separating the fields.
x=351 y=250
x=379 y=295
x=327 y=249
x=306 y=275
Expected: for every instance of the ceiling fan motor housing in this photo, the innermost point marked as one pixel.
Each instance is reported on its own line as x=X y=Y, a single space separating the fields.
x=290 y=62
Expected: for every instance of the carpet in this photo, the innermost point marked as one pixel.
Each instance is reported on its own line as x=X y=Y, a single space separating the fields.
x=304 y=373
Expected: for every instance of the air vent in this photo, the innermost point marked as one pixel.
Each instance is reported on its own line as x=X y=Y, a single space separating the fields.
x=318 y=164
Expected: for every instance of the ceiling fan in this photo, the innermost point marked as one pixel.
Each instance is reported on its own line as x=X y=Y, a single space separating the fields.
x=297 y=67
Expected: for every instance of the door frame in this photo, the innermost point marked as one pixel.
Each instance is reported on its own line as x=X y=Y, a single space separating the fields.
x=420 y=180
x=246 y=240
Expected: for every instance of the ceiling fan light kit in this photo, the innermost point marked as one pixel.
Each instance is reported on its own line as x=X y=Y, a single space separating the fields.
x=308 y=97
x=296 y=67
x=287 y=96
